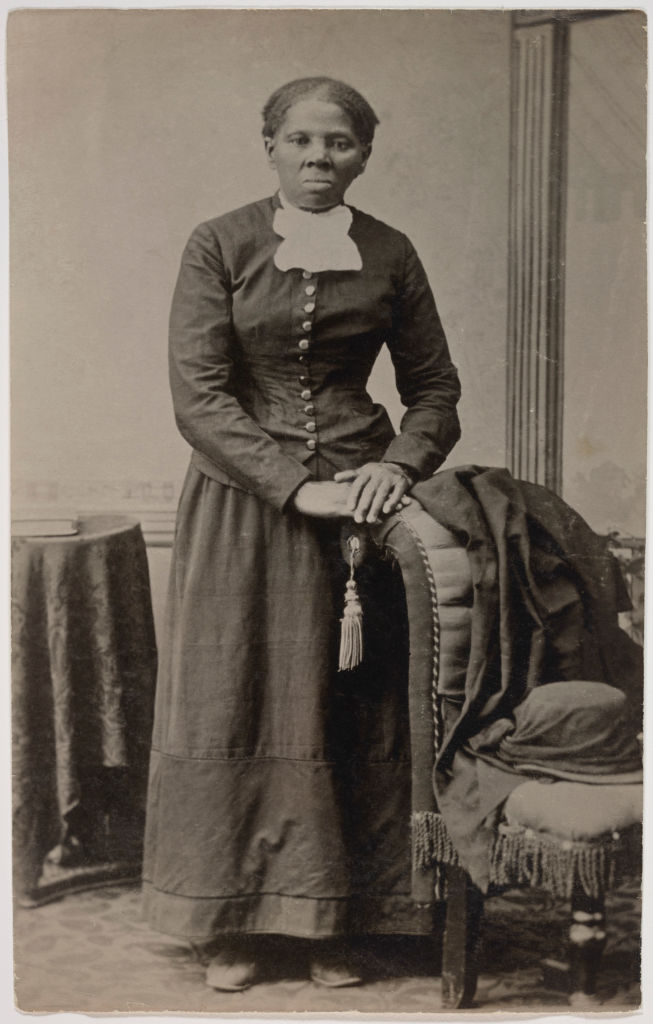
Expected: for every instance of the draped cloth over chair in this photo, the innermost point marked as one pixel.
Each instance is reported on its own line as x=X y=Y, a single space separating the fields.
x=507 y=590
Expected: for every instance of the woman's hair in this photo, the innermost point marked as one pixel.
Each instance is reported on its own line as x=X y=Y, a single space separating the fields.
x=355 y=106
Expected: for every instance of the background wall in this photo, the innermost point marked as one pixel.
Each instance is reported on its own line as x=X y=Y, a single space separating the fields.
x=604 y=453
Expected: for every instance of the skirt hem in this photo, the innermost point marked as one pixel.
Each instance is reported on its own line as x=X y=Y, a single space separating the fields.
x=296 y=916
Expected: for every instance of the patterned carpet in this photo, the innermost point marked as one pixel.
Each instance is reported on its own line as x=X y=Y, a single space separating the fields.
x=91 y=952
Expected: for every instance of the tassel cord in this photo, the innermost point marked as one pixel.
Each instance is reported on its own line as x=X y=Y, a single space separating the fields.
x=351 y=623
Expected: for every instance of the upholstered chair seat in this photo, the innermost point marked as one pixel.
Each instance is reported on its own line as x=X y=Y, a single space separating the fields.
x=575 y=811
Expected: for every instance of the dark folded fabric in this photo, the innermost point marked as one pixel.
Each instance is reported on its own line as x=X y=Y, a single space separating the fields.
x=571 y=729
x=547 y=592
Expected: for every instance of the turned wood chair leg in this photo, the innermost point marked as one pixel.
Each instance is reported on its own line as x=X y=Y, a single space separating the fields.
x=586 y=944
x=461 y=933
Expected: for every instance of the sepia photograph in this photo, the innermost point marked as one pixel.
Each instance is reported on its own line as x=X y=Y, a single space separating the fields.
x=328 y=360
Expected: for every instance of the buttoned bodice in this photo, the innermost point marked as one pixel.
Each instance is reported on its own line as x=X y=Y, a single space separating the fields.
x=268 y=366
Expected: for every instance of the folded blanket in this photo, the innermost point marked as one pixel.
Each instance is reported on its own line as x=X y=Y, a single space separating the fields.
x=572 y=730
x=547 y=592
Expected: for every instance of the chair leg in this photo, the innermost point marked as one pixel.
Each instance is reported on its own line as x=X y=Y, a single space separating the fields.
x=461 y=933
x=586 y=944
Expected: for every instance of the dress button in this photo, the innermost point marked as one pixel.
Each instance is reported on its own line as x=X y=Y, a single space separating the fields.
x=304 y=380
x=311 y=445
x=303 y=344
x=310 y=289
x=311 y=426
x=306 y=326
x=305 y=395
x=309 y=409
x=302 y=359
x=309 y=307
x=306 y=274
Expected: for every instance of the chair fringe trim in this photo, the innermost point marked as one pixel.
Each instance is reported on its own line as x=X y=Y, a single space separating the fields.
x=521 y=856
x=432 y=845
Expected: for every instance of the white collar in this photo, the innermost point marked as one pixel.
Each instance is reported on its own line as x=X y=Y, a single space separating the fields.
x=315 y=241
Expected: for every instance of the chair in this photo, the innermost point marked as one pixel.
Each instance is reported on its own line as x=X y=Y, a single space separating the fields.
x=550 y=837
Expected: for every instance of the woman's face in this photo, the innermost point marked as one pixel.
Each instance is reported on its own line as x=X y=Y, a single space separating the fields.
x=316 y=154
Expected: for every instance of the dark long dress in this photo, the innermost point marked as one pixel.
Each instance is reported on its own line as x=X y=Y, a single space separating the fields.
x=279 y=788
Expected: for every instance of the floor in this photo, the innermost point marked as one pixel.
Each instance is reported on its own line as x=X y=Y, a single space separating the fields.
x=92 y=952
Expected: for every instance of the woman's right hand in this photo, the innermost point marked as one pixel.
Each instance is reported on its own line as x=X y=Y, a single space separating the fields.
x=324 y=499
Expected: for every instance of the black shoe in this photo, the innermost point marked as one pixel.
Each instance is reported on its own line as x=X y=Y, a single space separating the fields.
x=233 y=969
x=331 y=965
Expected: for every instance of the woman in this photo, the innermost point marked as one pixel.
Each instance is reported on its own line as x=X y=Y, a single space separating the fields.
x=279 y=786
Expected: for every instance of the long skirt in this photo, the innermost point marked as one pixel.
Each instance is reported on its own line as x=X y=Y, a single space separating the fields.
x=279 y=794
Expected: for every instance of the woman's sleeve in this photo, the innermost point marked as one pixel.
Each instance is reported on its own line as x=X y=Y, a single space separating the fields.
x=427 y=380
x=207 y=412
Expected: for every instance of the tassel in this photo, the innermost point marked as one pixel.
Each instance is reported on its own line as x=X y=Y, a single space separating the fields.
x=351 y=624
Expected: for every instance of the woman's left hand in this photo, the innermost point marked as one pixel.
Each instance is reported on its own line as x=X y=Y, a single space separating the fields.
x=377 y=487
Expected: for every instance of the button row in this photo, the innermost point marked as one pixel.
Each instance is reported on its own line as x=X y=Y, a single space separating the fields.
x=304 y=345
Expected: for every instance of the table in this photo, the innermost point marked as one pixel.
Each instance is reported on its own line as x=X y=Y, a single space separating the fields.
x=83 y=676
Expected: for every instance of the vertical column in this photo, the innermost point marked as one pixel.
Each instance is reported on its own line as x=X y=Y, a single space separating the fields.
x=539 y=84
